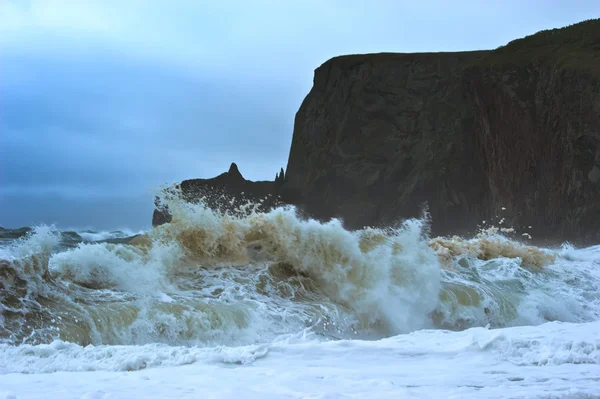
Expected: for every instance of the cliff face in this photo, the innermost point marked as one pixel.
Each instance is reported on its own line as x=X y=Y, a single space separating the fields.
x=468 y=133
x=379 y=135
x=538 y=135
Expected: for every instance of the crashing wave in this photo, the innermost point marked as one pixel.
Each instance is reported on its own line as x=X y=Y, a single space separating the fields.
x=209 y=278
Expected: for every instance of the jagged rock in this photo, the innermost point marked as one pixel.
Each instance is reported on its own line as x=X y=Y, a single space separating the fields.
x=224 y=193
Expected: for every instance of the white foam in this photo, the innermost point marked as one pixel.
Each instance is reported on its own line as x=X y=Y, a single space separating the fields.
x=39 y=242
x=550 y=360
x=117 y=266
x=389 y=278
x=257 y=299
x=90 y=235
x=246 y=279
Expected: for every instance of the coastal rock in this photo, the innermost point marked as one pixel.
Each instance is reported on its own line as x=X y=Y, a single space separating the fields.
x=510 y=136
x=468 y=134
x=224 y=193
x=380 y=135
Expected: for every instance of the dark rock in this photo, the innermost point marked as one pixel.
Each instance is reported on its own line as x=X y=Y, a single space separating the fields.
x=224 y=193
x=380 y=135
x=161 y=213
x=467 y=134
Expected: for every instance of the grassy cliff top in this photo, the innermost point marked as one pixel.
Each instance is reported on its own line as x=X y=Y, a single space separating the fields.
x=575 y=47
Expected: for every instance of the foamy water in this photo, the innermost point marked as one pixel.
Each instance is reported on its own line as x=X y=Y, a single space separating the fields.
x=205 y=284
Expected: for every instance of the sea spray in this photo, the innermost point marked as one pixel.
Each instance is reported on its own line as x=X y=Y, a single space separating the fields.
x=210 y=278
x=489 y=244
x=390 y=279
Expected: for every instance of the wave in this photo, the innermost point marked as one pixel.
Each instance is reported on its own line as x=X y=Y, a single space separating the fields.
x=114 y=236
x=488 y=244
x=553 y=344
x=70 y=238
x=209 y=278
x=389 y=278
x=7 y=235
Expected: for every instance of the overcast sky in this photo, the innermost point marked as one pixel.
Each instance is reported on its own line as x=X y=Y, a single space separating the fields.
x=103 y=101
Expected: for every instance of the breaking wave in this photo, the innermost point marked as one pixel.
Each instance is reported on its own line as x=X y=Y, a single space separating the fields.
x=209 y=278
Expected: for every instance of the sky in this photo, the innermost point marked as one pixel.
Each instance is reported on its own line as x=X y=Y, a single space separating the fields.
x=103 y=101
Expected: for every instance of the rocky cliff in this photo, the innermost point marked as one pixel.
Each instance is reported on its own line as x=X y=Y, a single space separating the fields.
x=468 y=134
x=380 y=135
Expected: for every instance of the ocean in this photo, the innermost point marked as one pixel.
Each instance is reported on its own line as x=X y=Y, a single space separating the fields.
x=269 y=305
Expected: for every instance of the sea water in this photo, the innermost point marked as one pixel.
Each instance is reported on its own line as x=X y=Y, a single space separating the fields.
x=272 y=305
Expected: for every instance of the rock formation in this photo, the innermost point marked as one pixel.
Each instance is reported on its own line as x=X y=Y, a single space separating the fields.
x=224 y=193
x=468 y=134
x=380 y=135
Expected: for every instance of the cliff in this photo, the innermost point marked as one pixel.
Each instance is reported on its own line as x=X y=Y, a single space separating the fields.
x=380 y=135
x=468 y=134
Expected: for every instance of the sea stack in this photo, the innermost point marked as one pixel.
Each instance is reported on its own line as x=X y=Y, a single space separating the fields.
x=224 y=193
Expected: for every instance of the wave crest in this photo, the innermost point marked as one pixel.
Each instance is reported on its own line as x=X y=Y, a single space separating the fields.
x=488 y=245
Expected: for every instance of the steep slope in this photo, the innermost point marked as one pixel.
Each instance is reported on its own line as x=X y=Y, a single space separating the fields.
x=379 y=135
x=467 y=133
